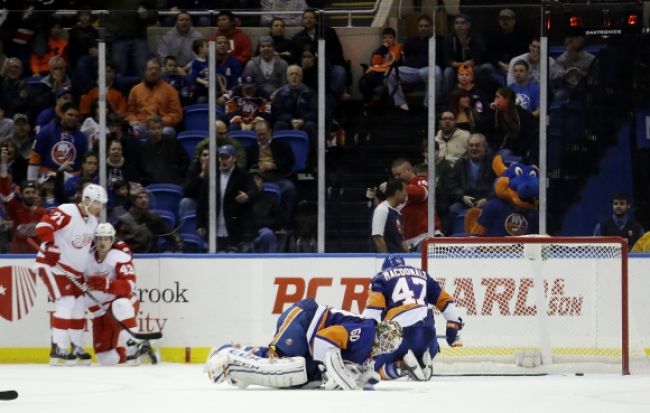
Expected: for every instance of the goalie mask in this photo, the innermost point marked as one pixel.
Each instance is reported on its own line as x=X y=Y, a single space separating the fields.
x=388 y=337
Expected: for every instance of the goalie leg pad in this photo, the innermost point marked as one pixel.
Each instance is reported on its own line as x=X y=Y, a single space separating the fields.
x=217 y=363
x=244 y=368
x=338 y=375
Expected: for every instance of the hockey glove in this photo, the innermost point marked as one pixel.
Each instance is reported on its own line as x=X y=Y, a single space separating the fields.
x=98 y=283
x=452 y=332
x=51 y=253
x=120 y=288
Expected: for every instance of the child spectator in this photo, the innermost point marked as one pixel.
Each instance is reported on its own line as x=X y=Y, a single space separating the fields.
x=199 y=75
x=177 y=78
x=247 y=106
x=383 y=59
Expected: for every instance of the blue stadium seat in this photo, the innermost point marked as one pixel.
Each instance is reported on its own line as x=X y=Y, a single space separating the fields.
x=166 y=196
x=299 y=142
x=193 y=243
x=273 y=189
x=197 y=117
x=125 y=83
x=190 y=138
x=459 y=226
x=167 y=217
x=245 y=137
x=188 y=223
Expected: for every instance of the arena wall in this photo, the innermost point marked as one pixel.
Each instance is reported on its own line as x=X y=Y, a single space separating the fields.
x=203 y=301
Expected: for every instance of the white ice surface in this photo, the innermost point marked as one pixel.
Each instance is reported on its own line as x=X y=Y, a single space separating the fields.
x=185 y=388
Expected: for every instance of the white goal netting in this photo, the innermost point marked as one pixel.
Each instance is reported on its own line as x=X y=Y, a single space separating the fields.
x=536 y=305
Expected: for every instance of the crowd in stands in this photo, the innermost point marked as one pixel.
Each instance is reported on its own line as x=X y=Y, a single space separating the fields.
x=49 y=119
x=488 y=100
x=49 y=116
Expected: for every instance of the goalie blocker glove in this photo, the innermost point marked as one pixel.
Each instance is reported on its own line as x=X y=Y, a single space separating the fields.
x=453 y=339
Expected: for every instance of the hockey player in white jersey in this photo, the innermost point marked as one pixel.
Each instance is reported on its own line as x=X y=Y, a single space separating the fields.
x=66 y=235
x=110 y=275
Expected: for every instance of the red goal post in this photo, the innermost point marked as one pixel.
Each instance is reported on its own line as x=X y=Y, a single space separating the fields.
x=583 y=324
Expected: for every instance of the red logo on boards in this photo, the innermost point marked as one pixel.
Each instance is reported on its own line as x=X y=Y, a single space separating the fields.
x=17 y=292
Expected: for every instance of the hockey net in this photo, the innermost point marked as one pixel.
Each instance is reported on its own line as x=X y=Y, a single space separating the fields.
x=536 y=305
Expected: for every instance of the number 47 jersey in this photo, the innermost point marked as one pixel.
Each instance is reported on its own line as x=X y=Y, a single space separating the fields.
x=403 y=294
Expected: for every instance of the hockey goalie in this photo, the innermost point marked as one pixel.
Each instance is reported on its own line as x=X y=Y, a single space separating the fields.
x=314 y=346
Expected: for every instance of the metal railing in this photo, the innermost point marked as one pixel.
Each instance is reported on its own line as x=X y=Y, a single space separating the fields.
x=211 y=13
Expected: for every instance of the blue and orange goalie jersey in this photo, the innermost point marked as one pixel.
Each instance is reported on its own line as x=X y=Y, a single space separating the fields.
x=403 y=294
x=352 y=334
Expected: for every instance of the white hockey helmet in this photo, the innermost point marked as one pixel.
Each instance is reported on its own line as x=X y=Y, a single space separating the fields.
x=95 y=193
x=105 y=230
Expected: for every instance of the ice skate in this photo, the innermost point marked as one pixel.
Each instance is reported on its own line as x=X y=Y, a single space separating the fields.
x=83 y=358
x=58 y=357
x=137 y=352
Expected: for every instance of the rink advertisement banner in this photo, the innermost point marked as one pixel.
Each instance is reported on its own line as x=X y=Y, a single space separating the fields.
x=201 y=302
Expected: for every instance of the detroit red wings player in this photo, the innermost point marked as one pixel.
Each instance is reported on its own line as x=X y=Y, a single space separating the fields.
x=66 y=234
x=111 y=276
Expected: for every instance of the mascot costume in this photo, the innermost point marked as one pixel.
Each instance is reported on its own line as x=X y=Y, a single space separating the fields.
x=514 y=210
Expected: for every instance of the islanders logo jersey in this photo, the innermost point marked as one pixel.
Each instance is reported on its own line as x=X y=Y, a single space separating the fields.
x=503 y=219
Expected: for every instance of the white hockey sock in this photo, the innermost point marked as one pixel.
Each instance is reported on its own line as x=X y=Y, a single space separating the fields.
x=61 y=338
x=76 y=337
x=108 y=358
x=122 y=339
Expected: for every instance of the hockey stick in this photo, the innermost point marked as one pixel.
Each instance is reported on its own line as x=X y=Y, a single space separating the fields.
x=135 y=334
x=83 y=288
x=8 y=395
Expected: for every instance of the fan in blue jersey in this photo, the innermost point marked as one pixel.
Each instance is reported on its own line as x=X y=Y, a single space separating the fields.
x=403 y=293
x=314 y=345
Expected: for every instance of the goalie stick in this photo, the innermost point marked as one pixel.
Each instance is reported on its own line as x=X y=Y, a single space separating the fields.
x=8 y=394
x=135 y=334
